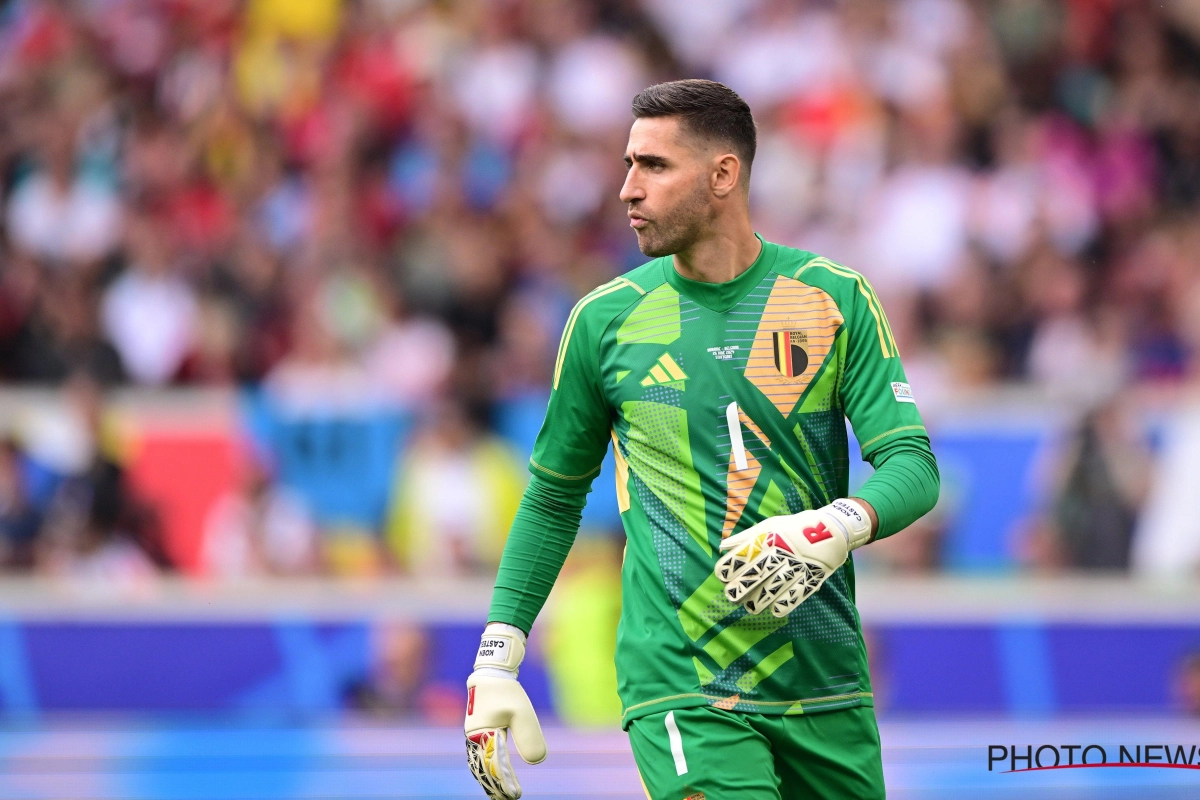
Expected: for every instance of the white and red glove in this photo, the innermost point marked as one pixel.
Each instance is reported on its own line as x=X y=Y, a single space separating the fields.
x=499 y=711
x=780 y=562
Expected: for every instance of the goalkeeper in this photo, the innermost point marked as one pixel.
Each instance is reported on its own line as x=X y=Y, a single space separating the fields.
x=722 y=372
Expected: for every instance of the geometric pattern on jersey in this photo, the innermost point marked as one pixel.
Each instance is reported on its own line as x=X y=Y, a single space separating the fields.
x=731 y=667
x=658 y=453
x=732 y=637
x=825 y=619
x=704 y=609
x=803 y=488
x=793 y=307
x=822 y=437
x=827 y=616
x=741 y=326
x=823 y=395
x=621 y=474
x=743 y=676
x=670 y=538
x=759 y=671
x=654 y=320
x=739 y=485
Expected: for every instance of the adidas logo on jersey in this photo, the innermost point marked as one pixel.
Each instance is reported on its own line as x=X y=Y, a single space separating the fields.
x=665 y=372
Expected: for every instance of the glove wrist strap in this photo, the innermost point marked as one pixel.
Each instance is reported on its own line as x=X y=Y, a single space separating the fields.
x=502 y=648
x=856 y=524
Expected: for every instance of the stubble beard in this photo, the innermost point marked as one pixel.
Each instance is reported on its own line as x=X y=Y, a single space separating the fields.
x=676 y=229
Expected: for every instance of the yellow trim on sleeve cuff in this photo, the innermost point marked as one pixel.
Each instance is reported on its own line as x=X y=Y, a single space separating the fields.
x=863 y=447
x=589 y=474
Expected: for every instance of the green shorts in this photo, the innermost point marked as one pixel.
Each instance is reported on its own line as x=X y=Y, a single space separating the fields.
x=695 y=753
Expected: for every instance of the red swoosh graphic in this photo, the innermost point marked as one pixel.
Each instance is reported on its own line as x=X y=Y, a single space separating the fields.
x=1097 y=766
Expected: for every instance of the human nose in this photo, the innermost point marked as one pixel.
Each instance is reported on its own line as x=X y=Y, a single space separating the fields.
x=632 y=189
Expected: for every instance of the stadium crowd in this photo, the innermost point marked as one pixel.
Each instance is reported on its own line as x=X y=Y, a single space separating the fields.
x=401 y=200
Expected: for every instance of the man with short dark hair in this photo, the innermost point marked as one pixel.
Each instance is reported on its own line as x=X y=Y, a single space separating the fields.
x=723 y=372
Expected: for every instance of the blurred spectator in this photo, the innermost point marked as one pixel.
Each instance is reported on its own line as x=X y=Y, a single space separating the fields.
x=1188 y=684
x=1077 y=356
x=1104 y=481
x=259 y=529
x=1167 y=542
x=411 y=358
x=150 y=312
x=20 y=520
x=455 y=496
x=58 y=333
x=592 y=77
x=66 y=218
x=396 y=683
x=96 y=527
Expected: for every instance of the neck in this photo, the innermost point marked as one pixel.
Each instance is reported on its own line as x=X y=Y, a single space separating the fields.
x=721 y=254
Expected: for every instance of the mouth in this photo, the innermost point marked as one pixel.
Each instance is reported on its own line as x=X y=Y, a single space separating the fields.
x=637 y=221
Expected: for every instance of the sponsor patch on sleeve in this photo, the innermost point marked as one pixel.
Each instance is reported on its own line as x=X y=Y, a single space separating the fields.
x=903 y=392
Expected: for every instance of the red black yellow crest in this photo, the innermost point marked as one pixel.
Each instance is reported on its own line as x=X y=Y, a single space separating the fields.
x=791 y=352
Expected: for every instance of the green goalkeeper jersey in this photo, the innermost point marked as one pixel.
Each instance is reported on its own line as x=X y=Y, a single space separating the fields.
x=725 y=404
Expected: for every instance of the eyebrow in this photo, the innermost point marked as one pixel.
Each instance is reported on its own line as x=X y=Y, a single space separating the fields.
x=646 y=159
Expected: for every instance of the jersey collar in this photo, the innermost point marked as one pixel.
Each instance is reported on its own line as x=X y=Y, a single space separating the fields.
x=721 y=297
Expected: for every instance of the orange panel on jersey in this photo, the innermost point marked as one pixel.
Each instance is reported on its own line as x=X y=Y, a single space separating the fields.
x=740 y=483
x=795 y=334
x=753 y=426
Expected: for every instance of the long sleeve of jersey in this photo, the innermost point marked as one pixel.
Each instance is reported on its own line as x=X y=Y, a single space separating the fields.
x=905 y=485
x=882 y=409
x=566 y=457
x=541 y=536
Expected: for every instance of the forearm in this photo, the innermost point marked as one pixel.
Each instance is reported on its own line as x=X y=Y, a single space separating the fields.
x=904 y=487
x=541 y=536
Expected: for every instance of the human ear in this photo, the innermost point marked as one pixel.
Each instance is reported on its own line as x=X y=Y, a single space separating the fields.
x=726 y=171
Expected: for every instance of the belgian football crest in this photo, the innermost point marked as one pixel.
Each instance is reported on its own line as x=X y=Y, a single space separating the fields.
x=791 y=352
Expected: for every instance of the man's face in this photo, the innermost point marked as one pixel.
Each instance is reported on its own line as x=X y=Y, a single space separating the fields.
x=667 y=186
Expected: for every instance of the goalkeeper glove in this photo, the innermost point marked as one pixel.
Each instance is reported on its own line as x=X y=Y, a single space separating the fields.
x=780 y=562
x=497 y=709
